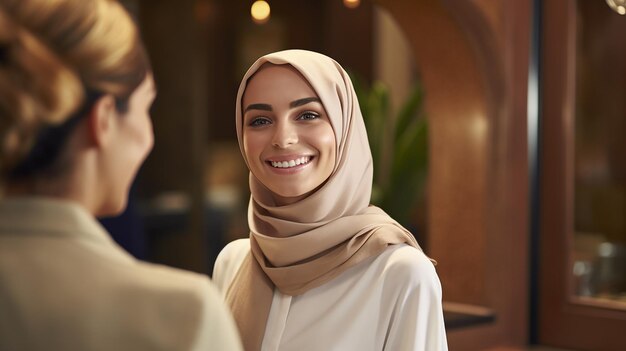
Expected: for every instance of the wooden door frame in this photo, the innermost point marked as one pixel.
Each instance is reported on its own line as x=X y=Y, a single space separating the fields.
x=563 y=322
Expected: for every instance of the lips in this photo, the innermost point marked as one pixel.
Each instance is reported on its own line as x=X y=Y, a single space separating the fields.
x=289 y=163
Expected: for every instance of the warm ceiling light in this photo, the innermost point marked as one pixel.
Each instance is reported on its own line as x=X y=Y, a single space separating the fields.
x=260 y=11
x=352 y=3
x=618 y=6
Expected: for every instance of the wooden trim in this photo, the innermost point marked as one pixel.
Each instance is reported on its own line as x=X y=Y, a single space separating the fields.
x=562 y=321
x=460 y=315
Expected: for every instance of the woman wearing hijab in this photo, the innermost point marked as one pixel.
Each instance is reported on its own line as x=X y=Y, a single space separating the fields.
x=322 y=269
x=75 y=90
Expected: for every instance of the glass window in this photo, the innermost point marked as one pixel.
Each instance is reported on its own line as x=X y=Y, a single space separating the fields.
x=599 y=245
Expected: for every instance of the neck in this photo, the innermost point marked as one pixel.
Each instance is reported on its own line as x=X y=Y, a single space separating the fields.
x=69 y=186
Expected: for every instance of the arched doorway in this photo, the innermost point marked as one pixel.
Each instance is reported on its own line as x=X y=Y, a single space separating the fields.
x=473 y=59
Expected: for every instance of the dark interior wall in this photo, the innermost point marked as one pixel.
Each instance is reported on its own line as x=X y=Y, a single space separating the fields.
x=174 y=35
x=174 y=38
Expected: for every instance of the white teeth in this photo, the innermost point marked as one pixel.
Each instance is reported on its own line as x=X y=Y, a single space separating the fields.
x=291 y=163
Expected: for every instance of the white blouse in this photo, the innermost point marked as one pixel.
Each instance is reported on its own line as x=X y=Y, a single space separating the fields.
x=388 y=302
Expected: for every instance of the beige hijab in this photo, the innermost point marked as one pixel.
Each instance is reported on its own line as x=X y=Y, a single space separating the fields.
x=303 y=245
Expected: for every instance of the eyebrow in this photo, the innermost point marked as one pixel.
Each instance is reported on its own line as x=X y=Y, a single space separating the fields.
x=295 y=103
x=264 y=107
x=304 y=101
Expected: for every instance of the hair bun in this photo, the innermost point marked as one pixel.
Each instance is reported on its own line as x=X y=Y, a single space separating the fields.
x=36 y=88
x=53 y=52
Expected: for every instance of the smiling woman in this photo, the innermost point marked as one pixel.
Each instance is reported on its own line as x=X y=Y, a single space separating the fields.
x=322 y=266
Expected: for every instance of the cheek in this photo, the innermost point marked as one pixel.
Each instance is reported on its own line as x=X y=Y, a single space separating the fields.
x=143 y=135
x=149 y=136
x=326 y=141
x=252 y=146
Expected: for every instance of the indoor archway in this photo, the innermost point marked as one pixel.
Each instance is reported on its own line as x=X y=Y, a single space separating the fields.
x=473 y=61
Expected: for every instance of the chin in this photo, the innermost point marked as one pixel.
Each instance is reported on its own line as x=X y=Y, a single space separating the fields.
x=290 y=190
x=112 y=209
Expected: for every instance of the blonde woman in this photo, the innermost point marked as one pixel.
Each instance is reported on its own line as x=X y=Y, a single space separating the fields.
x=75 y=89
x=322 y=268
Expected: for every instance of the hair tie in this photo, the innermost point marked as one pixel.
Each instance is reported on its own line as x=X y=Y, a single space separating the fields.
x=50 y=140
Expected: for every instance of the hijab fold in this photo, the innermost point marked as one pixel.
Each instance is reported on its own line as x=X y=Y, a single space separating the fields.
x=301 y=246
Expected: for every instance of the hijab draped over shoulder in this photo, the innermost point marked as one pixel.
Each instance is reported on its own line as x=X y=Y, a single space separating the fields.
x=303 y=245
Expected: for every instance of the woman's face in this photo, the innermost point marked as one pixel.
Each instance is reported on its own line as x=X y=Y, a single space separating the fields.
x=288 y=140
x=133 y=140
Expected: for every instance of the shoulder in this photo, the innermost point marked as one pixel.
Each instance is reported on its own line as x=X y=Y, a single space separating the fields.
x=182 y=305
x=403 y=265
x=188 y=289
x=170 y=291
x=168 y=277
x=235 y=250
x=412 y=298
x=228 y=262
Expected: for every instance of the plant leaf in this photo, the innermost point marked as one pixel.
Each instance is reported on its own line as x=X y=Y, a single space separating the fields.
x=408 y=111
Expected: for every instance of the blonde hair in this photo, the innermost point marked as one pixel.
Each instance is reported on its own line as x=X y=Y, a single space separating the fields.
x=53 y=55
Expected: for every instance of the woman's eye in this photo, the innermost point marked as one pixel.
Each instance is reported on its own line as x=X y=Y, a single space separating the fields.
x=259 y=121
x=308 y=116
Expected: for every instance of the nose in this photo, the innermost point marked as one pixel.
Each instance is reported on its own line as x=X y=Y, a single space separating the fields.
x=285 y=135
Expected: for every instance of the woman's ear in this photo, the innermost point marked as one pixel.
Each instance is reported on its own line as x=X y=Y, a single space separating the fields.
x=101 y=120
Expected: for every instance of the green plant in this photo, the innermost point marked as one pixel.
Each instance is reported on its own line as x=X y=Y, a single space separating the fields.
x=399 y=145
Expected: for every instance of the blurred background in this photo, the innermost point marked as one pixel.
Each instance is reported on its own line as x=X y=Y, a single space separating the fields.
x=497 y=129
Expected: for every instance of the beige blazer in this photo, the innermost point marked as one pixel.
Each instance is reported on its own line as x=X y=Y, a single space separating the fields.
x=66 y=285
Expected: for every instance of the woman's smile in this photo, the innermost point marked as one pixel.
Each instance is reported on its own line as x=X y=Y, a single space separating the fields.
x=291 y=162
